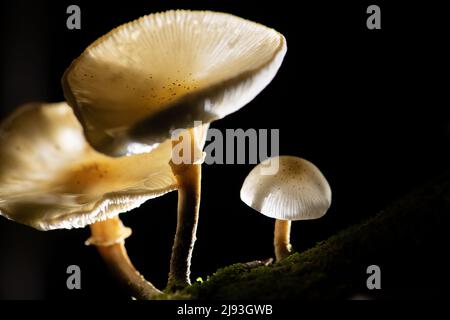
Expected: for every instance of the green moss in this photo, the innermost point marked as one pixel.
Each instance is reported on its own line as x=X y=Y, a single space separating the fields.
x=405 y=240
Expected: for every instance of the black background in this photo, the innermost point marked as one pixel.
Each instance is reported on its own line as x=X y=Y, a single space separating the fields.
x=368 y=107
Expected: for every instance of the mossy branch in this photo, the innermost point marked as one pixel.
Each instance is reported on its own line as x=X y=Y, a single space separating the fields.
x=406 y=240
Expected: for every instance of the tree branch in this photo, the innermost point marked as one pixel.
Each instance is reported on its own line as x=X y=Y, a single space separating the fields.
x=406 y=240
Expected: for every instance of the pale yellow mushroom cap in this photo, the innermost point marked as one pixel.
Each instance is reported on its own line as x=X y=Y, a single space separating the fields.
x=164 y=71
x=297 y=191
x=51 y=178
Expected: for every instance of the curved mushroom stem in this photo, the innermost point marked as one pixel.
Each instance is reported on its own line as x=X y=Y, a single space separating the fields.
x=282 y=241
x=108 y=236
x=189 y=190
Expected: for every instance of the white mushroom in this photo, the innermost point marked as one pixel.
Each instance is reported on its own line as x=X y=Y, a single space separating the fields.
x=51 y=178
x=297 y=191
x=134 y=86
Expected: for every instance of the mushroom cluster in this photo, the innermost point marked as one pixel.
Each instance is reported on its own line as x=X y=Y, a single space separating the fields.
x=131 y=93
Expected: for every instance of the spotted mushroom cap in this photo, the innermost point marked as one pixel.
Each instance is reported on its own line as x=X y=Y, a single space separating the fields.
x=297 y=191
x=132 y=87
x=51 y=178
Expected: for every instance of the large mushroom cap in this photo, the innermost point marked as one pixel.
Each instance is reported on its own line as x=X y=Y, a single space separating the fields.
x=298 y=191
x=136 y=84
x=51 y=178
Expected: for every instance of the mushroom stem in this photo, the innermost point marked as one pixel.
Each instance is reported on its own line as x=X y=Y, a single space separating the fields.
x=282 y=241
x=189 y=190
x=108 y=237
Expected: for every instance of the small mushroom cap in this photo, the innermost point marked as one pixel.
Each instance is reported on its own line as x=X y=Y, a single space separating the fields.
x=298 y=191
x=135 y=85
x=51 y=178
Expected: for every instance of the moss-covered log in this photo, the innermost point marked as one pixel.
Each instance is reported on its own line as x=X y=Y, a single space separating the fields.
x=407 y=241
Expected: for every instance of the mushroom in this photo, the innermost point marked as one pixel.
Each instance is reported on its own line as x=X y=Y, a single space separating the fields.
x=296 y=191
x=51 y=178
x=133 y=87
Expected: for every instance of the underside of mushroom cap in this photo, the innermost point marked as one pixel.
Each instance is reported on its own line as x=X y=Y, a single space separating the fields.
x=135 y=85
x=51 y=178
x=297 y=191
